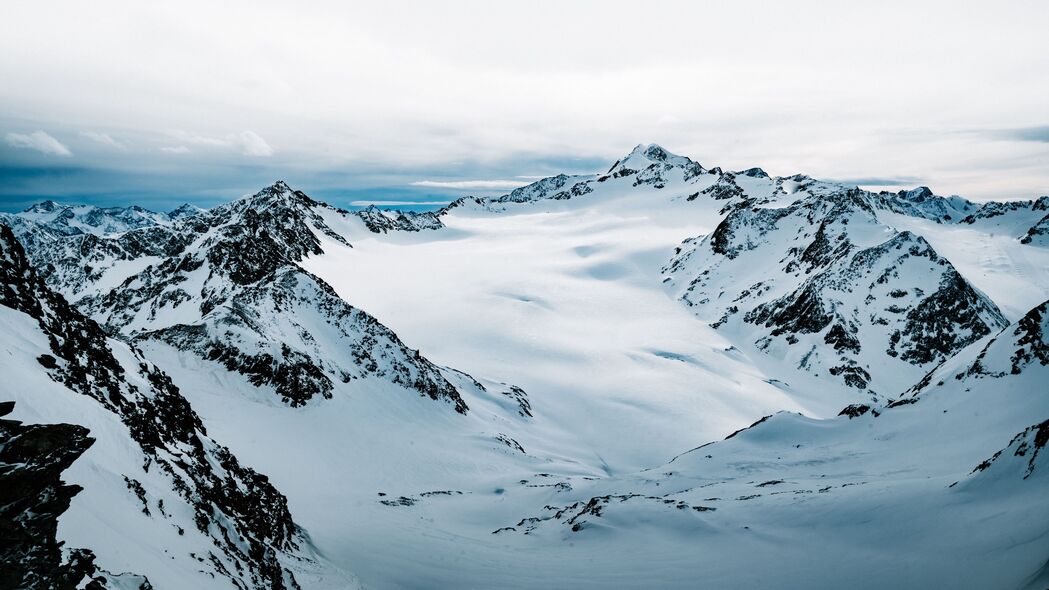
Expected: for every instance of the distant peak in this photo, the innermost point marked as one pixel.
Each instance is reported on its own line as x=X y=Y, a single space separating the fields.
x=754 y=173
x=184 y=210
x=920 y=193
x=644 y=155
x=44 y=207
x=651 y=151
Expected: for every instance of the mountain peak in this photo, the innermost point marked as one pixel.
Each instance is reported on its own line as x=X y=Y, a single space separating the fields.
x=184 y=210
x=277 y=187
x=917 y=194
x=643 y=156
x=279 y=194
x=47 y=206
x=654 y=152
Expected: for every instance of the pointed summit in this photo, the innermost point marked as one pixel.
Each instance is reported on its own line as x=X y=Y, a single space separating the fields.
x=650 y=157
x=280 y=196
x=918 y=194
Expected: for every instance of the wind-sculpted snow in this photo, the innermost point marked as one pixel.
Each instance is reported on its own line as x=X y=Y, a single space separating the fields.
x=824 y=284
x=890 y=480
x=251 y=538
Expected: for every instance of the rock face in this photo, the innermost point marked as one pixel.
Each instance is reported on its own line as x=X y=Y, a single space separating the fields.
x=244 y=516
x=225 y=284
x=823 y=283
x=32 y=497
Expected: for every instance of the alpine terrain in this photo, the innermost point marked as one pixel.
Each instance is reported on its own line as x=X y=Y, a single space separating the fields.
x=663 y=374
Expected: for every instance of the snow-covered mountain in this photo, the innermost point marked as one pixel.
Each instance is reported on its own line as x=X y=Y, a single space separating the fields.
x=160 y=497
x=68 y=220
x=225 y=284
x=599 y=325
x=823 y=284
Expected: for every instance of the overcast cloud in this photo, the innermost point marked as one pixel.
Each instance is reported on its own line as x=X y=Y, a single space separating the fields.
x=423 y=101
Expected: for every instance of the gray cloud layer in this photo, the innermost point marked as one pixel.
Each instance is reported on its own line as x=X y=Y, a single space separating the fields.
x=363 y=101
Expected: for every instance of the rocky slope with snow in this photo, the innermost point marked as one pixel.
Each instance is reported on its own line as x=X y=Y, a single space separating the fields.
x=824 y=284
x=207 y=511
x=226 y=285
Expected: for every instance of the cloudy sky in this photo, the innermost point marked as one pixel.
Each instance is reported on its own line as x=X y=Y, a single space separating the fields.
x=159 y=103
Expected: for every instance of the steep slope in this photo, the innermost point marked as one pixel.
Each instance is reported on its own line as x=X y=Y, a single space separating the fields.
x=226 y=284
x=205 y=520
x=1038 y=234
x=825 y=286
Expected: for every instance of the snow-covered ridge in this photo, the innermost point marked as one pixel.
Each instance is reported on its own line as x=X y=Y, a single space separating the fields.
x=205 y=499
x=653 y=166
x=69 y=220
x=226 y=284
x=825 y=285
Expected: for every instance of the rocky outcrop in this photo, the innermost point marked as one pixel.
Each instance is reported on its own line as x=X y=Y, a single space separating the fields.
x=32 y=497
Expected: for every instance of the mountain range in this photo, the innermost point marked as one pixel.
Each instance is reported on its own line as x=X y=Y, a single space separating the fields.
x=658 y=375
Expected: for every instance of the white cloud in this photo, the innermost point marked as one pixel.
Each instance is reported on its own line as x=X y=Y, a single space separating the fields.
x=103 y=138
x=39 y=141
x=247 y=143
x=176 y=149
x=471 y=184
x=252 y=144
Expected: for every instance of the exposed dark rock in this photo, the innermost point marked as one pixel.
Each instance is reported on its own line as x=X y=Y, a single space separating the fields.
x=855 y=410
x=32 y=497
